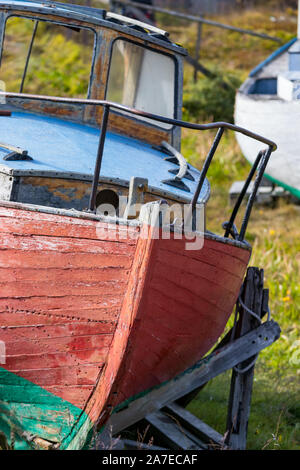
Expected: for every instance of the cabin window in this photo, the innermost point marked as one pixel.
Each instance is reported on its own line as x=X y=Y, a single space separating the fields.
x=143 y=79
x=44 y=58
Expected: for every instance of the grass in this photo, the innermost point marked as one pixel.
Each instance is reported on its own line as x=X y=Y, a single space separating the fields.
x=273 y=232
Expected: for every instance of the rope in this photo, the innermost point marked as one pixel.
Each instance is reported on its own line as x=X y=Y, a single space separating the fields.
x=237 y=369
x=249 y=311
x=245 y=369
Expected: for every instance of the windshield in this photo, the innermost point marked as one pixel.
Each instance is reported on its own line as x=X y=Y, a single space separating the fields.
x=45 y=58
x=143 y=79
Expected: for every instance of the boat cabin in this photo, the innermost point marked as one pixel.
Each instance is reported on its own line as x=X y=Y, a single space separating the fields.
x=60 y=56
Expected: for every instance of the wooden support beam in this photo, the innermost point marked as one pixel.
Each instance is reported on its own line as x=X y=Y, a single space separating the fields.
x=198 y=47
x=206 y=369
x=172 y=433
x=242 y=383
x=190 y=422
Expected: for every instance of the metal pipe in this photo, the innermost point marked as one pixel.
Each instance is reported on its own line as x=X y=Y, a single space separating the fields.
x=192 y=209
x=92 y=204
x=206 y=166
x=229 y=225
x=136 y=112
x=260 y=174
x=28 y=55
x=197 y=19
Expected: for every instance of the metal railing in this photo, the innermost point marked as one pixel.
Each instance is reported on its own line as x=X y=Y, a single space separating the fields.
x=259 y=165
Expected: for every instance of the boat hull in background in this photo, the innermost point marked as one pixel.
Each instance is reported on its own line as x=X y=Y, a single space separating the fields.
x=278 y=120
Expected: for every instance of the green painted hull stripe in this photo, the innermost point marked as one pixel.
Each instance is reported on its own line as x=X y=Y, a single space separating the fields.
x=294 y=191
x=27 y=411
x=290 y=189
x=127 y=402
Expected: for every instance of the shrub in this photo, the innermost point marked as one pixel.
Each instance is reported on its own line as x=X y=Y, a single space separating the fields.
x=211 y=99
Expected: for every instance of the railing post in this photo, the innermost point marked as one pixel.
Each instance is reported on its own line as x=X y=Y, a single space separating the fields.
x=229 y=225
x=98 y=164
x=204 y=171
x=260 y=174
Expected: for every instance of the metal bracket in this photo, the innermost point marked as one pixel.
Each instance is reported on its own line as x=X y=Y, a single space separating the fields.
x=137 y=188
x=181 y=173
x=232 y=230
x=16 y=153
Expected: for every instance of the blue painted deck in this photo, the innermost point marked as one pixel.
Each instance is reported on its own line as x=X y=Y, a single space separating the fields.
x=60 y=146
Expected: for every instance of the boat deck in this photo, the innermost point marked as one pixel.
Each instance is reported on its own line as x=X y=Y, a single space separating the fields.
x=64 y=149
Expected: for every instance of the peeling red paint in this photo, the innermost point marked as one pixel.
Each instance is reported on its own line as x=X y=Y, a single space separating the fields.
x=95 y=321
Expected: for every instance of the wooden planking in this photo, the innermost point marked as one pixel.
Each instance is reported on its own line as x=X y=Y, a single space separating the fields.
x=102 y=274
x=61 y=290
x=85 y=374
x=54 y=360
x=45 y=259
x=10 y=318
x=85 y=229
x=189 y=288
x=26 y=289
x=196 y=267
x=45 y=304
x=55 y=221
x=73 y=329
x=56 y=345
x=63 y=245
x=180 y=316
x=183 y=307
x=232 y=259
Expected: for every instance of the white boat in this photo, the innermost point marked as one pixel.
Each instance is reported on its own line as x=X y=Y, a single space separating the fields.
x=269 y=101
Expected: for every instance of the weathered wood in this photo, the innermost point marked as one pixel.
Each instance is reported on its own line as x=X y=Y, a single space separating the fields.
x=197 y=47
x=196 y=426
x=205 y=370
x=171 y=432
x=136 y=445
x=241 y=383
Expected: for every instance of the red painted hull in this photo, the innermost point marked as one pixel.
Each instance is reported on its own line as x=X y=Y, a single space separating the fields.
x=96 y=321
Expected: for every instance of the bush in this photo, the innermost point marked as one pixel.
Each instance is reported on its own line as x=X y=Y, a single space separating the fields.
x=211 y=99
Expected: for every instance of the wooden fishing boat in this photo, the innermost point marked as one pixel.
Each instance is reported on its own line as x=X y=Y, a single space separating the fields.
x=102 y=298
x=268 y=101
